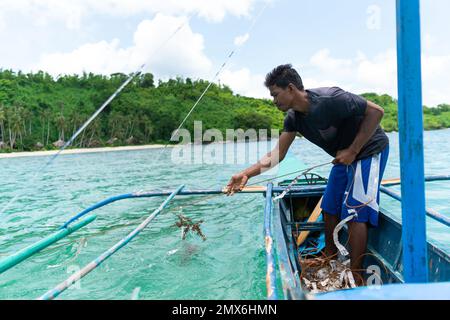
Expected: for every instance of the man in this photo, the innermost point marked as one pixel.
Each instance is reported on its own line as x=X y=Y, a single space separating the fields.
x=348 y=128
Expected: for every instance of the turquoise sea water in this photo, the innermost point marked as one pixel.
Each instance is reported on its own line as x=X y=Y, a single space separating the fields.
x=158 y=264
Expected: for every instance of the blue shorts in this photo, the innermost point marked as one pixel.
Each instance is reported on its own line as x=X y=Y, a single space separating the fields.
x=361 y=182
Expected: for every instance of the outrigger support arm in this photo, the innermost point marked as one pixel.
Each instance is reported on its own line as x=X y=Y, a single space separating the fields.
x=248 y=189
x=27 y=252
x=270 y=261
x=429 y=212
x=151 y=194
x=51 y=294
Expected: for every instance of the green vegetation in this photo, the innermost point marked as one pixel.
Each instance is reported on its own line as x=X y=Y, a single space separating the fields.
x=434 y=118
x=36 y=111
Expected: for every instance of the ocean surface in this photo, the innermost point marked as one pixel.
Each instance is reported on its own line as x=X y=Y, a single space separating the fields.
x=159 y=264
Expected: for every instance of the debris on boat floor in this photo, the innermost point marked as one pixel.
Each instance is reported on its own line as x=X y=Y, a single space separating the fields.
x=188 y=225
x=323 y=275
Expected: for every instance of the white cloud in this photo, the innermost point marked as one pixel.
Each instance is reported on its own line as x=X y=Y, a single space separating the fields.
x=378 y=73
x=245 y=83
x=2 y=23
x=323 y=60
x=435 y=79
x=329 y=68
x=181 y=55
x=317 y=83
x=42 y=12
x=72 y=13
x=428 y=42
x=359 y=75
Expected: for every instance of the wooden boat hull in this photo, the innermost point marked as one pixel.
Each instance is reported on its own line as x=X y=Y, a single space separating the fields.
x=384 y=245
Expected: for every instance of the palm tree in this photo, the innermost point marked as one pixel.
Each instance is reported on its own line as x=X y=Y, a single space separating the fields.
x=113 y=124
x=60 y=123
x=14 y=126
x=2 y=122
x=27 y=117
x=46 y=114
x=147 y=126
x=95 y=130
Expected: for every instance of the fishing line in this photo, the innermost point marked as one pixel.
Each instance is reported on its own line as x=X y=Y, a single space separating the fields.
x=209 y=197
x=219 y=71
x=92 y=118
x=294 y=181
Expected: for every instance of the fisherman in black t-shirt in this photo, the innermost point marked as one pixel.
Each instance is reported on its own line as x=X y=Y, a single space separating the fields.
x=347 y=127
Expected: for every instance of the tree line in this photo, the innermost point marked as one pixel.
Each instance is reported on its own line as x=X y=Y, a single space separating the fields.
x=39 y=112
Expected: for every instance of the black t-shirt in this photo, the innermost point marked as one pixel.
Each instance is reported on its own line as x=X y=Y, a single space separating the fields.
x=333 y=121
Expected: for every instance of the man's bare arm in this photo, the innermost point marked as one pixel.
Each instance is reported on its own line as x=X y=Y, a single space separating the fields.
x=372 y=118
x=271 y=159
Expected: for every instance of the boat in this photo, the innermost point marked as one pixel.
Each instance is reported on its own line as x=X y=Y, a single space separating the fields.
x=419 y=272
x=296 y=214
x=290 y=216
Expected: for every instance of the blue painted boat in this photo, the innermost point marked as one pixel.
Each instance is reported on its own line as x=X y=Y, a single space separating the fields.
x=412 y=265
x=289 y=217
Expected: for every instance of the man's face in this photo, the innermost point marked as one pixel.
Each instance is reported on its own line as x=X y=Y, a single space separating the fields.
x=282 y=98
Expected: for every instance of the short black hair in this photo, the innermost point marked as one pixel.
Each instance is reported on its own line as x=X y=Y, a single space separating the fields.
x=282 y=75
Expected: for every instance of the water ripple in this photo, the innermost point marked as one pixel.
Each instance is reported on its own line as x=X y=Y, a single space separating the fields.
x=228 y=265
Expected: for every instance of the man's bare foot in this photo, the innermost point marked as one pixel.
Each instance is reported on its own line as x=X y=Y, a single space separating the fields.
x=359 y=281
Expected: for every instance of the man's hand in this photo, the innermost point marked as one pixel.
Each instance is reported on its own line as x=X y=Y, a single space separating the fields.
x=345 y=156
x=237 y=182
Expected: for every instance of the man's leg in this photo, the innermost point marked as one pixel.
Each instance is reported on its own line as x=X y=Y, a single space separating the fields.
x=332 y=205
x=358 y=245
x=331 y=221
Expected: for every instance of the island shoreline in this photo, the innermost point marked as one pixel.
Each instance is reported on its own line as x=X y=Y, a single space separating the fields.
x=79 y=151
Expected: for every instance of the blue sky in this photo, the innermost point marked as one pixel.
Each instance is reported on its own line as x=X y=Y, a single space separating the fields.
x=348 y=43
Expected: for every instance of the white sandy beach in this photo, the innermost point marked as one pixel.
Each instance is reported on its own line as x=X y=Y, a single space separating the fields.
x=92 y=150
x=76 y=151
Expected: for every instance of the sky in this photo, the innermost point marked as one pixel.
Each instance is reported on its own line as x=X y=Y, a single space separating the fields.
x=347 y=43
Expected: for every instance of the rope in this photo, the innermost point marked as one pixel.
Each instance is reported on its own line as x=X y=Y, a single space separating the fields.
x=354 y=214
x=289 y=187
x=342 y=250
x=303 y=171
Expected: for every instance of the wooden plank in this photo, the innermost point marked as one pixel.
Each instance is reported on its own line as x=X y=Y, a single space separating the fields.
x=249 y=189
x=312 y=218
x=390 y=181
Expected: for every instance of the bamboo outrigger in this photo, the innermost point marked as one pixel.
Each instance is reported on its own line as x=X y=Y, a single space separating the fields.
x=284 y=233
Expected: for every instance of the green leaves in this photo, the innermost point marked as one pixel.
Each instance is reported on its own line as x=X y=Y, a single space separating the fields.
x=37 y=108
